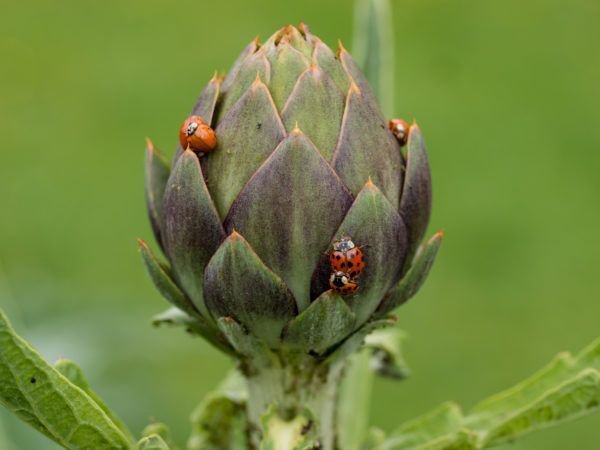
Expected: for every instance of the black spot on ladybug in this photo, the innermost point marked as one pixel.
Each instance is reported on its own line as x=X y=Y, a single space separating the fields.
x=33 y=380
x=352 y=274
x=344 y=265
x=351 y=255
x=338 y=257
x=362 y=257
x=350 y=264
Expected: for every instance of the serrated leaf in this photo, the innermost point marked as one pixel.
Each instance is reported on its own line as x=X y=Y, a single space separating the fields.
x=387 y=359
x=324 y=323
x=161 y=430
x=153 y=442
x=46 y=400
x=74 y=374
x=219 y=422
x=373 y=48
x=566 y=389
x=194 y=325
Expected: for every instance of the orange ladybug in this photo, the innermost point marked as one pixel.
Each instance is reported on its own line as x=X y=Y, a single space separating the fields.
x=342 y=283
x=347 y=257
x=400 y=129
x=197 y=135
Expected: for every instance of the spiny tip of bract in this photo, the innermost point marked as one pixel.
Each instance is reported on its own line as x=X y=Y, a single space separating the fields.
x=141 y=244
x=369 y=184
x=149 y=144
x=438 y=236
x=296 y=131
x=234 y=236
x=257 y=81
x=340 y=49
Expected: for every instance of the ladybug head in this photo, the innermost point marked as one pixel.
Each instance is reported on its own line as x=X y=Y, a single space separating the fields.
x=343 y=245
x=191 y=128
x=339 y=279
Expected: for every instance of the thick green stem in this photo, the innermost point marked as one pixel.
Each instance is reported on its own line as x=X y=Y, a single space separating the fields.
x=302 y=395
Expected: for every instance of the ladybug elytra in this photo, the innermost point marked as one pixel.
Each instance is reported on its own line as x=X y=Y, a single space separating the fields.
x=197 y=135
x=347 y=257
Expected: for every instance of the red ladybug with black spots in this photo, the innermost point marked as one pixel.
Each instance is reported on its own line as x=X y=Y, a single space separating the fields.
x=342 y=283
x=346 y=257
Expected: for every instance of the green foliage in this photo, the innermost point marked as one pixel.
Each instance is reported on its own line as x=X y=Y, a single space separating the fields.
x=153 y=442
x=74 y=374
x=45 y=399
x=567 y=388
x=219 y=422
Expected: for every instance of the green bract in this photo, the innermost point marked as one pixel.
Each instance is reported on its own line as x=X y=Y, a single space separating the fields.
x=304 y=157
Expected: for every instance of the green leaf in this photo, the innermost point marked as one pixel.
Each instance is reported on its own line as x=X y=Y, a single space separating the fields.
x=47 y=401
x=410 y=284
x=356 y=340
x=386 y=353
x=373 y=48
x=153 y=442
x=219 y=422
x=566 y=389
x=159 y=274
x=298 y=433
x=161 y=430
x=265 y=308
x=74 y=374
x=354 y=402
x=194 y=325
x=324 y=323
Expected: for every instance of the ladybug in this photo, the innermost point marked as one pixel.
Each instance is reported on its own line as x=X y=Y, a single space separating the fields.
x=342 y=283
x=197 y=135
x=400 y=129
x=347 y=257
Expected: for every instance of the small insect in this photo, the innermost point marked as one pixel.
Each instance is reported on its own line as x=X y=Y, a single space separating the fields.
x=347 y=257
x=342 y=283
x=197 y=135
x=400 y=129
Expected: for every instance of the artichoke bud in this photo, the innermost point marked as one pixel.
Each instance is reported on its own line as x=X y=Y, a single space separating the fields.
x=302 y=159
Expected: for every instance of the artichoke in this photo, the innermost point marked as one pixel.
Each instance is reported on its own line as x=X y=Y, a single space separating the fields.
x=303 y=158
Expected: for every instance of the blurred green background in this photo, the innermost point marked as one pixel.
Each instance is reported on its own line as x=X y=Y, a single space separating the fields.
x=507 y=93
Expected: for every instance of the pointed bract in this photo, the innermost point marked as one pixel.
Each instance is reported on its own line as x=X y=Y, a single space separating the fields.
x=366 y=148
x=316 y=105
x=156 y=175
x=287 y=64
x=193 y=230
x=375 y=226
x=327 y=321
x=415 y=205
x=247 y=135
x=408 y=286
x=163 y=282
x=238 y=284
x=254 y=66
x=290 y=210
